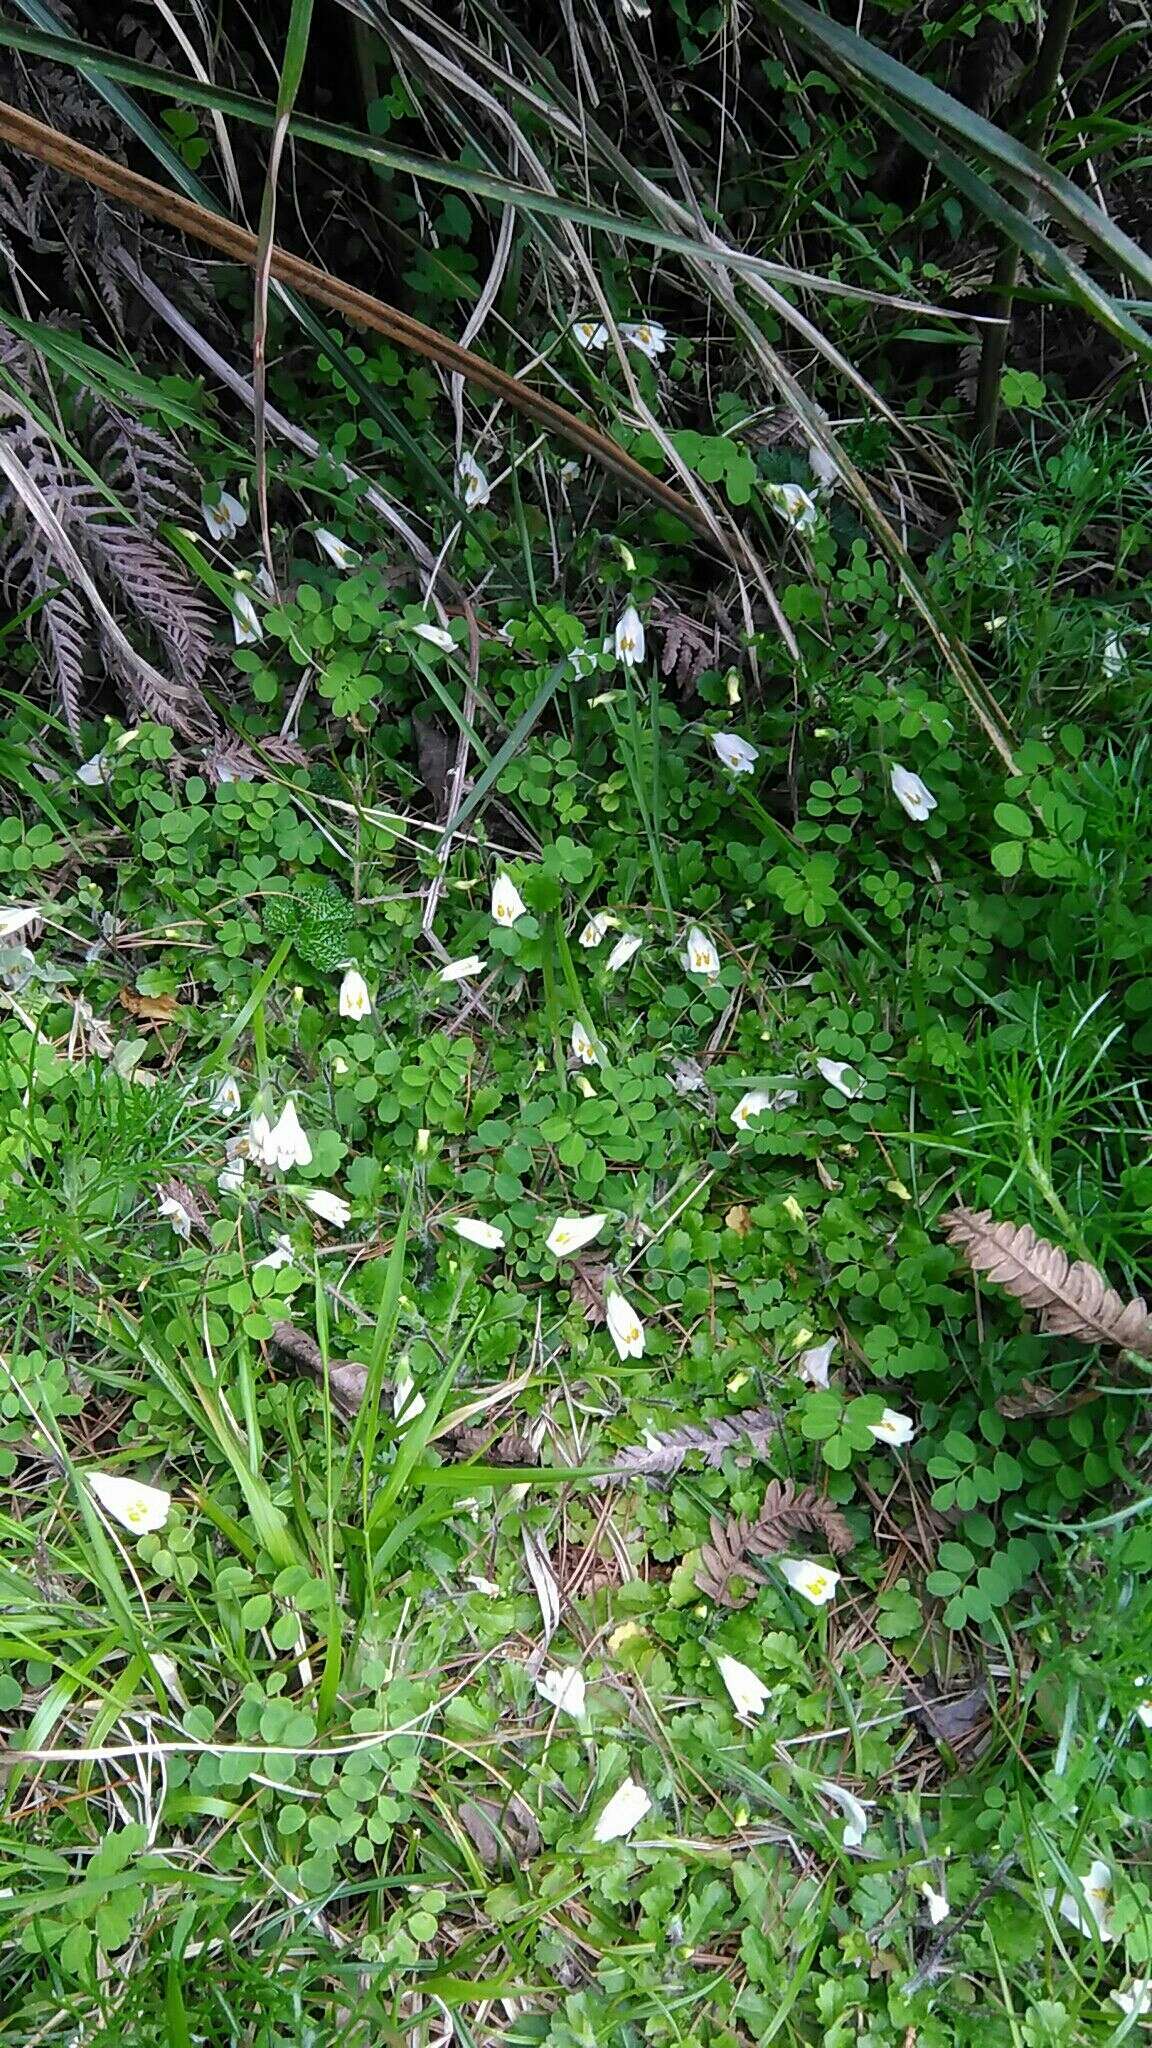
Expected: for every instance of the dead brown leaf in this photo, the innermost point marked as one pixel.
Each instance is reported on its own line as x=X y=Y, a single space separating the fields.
x=149 y=1009
x=1032 y=1398
x=739 y=1219
x=501 y=1834
x=587 y=1287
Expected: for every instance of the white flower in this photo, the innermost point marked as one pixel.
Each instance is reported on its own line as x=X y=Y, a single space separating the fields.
x=507 y=902
x=488 y=1587
x=825 y=470
x=230 y=1178
x=856 y=1817
x=646 y=335
x=283 y=1144
x=754 y=1103
x=834 y=1072
x=937 y=1904
x=355 y=1000
x=1137 y=2000
x=94 y=771
x=739 y=756
x=817 y=1582
x=328 y=1207
x=1144 y=1706
x=135 y=1506
x=624 y=1811
x=462 y=970
x=622 y=952
x=748 y=1693
x=436 y=637
x=624 y=1326
x=564 y=1689
x=246 y=625
x=281 y=1254
x=893 y=1428
x=571 y=1233
x=798 y=506
x=700 y=955
x=224 y=519
x=569 y=470
x=168 y=1672
x=583 y=1047
x=582 y=662
x=1115 y=659
x=1091 y=1916
x=472 y=483
x=173 y=1212
x=339 y=552
x=590 y=334
x=407 y=1404
x=474 y=1231
x=15 y=919
x=628 y=639
x=915 y=796
x=226 y=1101
x=597 y=929
x=812 y=1365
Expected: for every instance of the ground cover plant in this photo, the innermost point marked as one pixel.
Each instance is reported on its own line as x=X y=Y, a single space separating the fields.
x=574 y=1009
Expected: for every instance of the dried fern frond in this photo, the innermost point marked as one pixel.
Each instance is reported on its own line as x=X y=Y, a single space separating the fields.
x=787 y=1511
x=1071 y=1298
x=665 y=1451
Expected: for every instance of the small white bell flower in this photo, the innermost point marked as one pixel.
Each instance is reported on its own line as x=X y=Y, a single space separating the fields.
x=584 y=1047
x=246 y=627
x=738 y=755
x=812 y=1365
x=893 y=1428
x=1091 y=1916
x=835 y=1072
x=622 y=952
x=937 y=1904
x=563 y=1689
x=913 y=795
x=355 y=1000
x=226 y=1101
x=747 y=1692
x=646 y=335
x=230 y=1179
x=1115 y=657
x=855 y=1811
x=597 y=929
x=283 y=1144
x=436 y=636
x=590 y=334
x=328 y=1207
x=339 y=552
x=817 y=1582
x=281 y=1254
x=798 y=506
x=1136 y=2001
x=93 y=772
x=1144 y=1706
x=407 y=1404
x=475 y=1231
x=138 y=1508
x=507 y=902
x=224 y=519
x=571 y=1233
x=624 y=1811
x=700 y=955
x=171 y=1211
x=628 y=638
x=471 y=482
x=462 y=970
x=754 y=1103
x=824 y=467
x=624 y=1326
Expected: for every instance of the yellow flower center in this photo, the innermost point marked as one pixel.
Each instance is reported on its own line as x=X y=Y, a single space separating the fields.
x=817 y=1582
x=563 y=1236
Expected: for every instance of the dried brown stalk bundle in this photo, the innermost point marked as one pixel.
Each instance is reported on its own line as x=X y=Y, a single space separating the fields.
x=665 y=1452
x=1071 y=1298
x=787 y=1511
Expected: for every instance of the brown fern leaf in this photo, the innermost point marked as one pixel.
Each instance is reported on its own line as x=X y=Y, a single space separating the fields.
x=1071 y=1298
x=664 y=1453
x=786 y=1512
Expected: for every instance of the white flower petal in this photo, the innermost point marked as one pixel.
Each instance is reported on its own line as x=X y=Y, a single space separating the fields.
x=507 y=902
x=171 y=1211
x=225 y=518
x=825 y=469
x=893 y=1428
x=226 y=1101
x=628 y=639
x=328 y=1207
x=937 y=1904
x=584 y=1047
x=1136 y=2000
x=565 y=1689
x=646 y=335
x=462 y=970
x=737 y=754
x=597 y=929
x=624 y=1326
x=407 y=1404
x=355 y=1000
x=812 y=1365
x=471 y=482
x=835 y=1072
x=700 y=955
x=855 y=1811
x=475 y=1231
x=230 y=1179
x=281 y=1254
x=246 y=627
x=747 y=1692
x=93 y=772
x=622 y=952
x=624 y=1811
x=16 y=918
x=913 y=795
x=798 y=506
x=339 y=552
x=436 y=637
x=135 y=1506
x=571 y=1233
x=590 y=334
x=753 y=1104
x=817 y=1582
x=1090 y=1916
